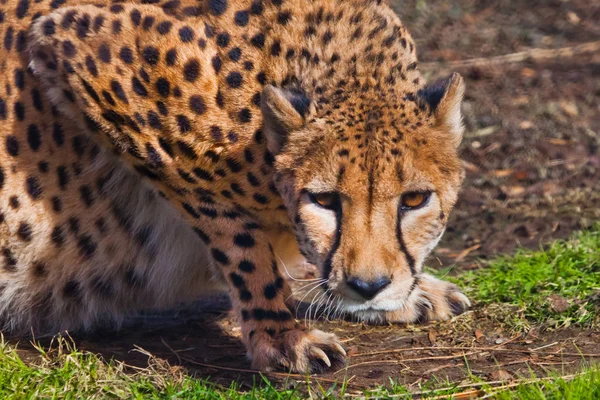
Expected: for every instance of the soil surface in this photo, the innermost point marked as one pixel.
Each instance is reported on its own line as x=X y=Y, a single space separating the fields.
x=532 y=174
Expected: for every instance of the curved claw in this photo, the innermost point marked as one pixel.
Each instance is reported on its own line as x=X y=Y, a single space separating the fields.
x=320 y=354
x=339 y=348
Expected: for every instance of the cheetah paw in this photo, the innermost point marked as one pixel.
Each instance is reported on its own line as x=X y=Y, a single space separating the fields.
x=431 y=300
x=297 y=350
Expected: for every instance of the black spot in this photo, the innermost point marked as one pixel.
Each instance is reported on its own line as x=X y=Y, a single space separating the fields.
x=12 y=145
x=164 y=27
x=237 y=280
x=151 y=55
x=69 y=49
x=256 y=8
x=217 y=7
x=234 y=79
x=258 y=40
x=2 y=109
x=57 y=236
x=184 y=124
x=116 y=8
x=241 y=18
x=118 y=91
x=87 y=247
x=216 y=63
x=19 y=78
x=22 y=8
x=220 y=256
x=91 y=66
x=33 y=137
x=58 y=135
x=284 y=17
x=116 y=27
x=14 y=202
x=270 y=291
x=171 y=57
x=259 y=198
x=191 y=70
x=244 y=240
x=20 y=110
x=136 y=17
x=126 y=55
x=186 y=34
x=148 y=22
x=235 y=54
x=223 y=39
x=63 y=176
x=33 y=187
x=39 y=269
x=233 y=165
x=48 y=27
x=98 y=22
x=86 y=195
x=203 y=174
x=197 y=104
x=209 y=212
x=104 y=53
x=202 y=235
x=163 y=87
x=246 y=266
x=186 y=150
x=276 y=49
x=72 y=289
x=154 y=120
x=57 y=204
x=245 y=115
x=24 y=232
x=8 y=38
x=138 y=87
x=83 y=26
x=37 y=100
x=245 y=295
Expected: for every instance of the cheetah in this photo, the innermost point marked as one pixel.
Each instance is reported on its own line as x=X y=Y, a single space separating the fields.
x=153 y=151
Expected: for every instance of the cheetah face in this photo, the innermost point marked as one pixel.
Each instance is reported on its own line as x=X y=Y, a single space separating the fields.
x=368 y=184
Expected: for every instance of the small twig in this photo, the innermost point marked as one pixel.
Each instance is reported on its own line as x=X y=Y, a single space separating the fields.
x=545 y=346
x=407 y=360
x=532 y=54
x=171 y=350
x=374 y=353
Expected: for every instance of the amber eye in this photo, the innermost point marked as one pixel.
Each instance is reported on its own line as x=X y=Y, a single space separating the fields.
x=329 y=201
x=413 y=200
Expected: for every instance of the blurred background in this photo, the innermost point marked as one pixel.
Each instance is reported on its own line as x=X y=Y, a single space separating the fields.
x=531 y=147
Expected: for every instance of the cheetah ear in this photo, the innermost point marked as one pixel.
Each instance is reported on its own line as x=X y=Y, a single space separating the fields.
x=284 y=111
x=444 y=98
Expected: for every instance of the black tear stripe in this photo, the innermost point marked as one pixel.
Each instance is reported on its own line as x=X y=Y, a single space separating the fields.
x=409 y=258
x=327 y=267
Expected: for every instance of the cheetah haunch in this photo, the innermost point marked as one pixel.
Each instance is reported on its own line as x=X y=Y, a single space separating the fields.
x=150 y=151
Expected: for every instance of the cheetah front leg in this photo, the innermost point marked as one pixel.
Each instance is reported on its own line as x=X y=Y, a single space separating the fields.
x=431 y=299
x=262 y=299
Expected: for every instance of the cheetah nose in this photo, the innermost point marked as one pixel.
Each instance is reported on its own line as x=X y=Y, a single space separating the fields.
x=368 y=290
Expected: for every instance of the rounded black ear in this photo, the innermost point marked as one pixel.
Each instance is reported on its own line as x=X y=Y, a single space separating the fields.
x=444 y=98
x=284 y=111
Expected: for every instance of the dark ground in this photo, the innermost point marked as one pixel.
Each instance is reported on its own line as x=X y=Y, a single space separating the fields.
x=533 y=162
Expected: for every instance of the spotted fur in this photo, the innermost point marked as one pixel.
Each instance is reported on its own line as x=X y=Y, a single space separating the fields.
x=154 y=148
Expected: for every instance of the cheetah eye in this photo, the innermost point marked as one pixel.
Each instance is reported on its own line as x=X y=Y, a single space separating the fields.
x=329 y=200
x=414 y=200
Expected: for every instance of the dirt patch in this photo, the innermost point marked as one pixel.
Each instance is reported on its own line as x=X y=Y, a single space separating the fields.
x=532 y=163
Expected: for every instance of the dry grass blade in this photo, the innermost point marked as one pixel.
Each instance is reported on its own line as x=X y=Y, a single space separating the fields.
x=533 y=54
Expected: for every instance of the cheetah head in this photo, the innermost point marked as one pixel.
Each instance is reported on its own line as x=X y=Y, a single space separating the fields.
x=369 y=180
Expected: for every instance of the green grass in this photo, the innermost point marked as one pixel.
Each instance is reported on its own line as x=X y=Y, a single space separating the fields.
x=66 y=373
x=569 y=269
